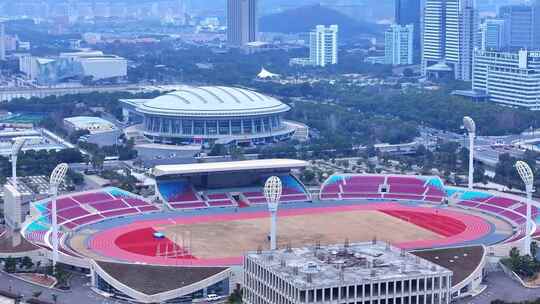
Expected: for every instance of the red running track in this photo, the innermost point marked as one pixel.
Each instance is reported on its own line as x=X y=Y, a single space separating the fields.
x=125 y=243
x=440 y=224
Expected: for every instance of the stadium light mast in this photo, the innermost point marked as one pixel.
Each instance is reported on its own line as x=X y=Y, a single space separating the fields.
x=272 y=193
x=57 y=176
x=470 y=125
x=526 y=174
x=18 y=143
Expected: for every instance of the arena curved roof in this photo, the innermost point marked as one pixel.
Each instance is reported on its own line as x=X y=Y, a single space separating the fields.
x=212 y=101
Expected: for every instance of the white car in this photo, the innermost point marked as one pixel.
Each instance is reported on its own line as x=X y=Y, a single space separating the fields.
x=213 y=297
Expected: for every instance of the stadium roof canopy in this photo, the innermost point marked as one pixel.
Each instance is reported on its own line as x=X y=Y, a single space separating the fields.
x=157 y=284
x=210 y=101
x=235 y=166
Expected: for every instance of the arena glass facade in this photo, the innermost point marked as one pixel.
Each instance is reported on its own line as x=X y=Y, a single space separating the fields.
x=211 y=115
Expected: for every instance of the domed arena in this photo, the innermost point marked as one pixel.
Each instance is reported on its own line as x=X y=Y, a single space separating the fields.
x=211 y=114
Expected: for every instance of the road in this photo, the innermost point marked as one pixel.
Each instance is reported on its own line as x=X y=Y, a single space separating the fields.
x=487 y=148
x=80 y=292
x=501 y=287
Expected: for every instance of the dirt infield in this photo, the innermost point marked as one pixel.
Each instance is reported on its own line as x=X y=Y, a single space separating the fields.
x=234 y=238
x=222 y=238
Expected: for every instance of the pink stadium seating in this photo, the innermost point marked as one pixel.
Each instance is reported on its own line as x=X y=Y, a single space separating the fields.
x=294 y=198
x=489 y=208
x=109 y=205
x=220 y=203
x=190 y=205
x=501 y=202
x=468 y=204
x=366 y=179
x=72 y=213
x=88 y=219
x=217 y=196
x=368 y=186
x=257 y=200
x=253 y=194
x=148 y=208
x=92 y=197
x=119 y=212
x=135 y=202
x=405 y=180
x=64 y=203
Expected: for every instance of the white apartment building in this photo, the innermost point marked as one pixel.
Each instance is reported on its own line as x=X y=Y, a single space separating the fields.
x=398 y=46
x=323 y=49
x=510 y=78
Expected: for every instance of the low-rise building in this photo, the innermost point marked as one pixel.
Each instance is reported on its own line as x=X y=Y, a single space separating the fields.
x=92 y=65
x=509 y=78
x=373 y=272
x=100 y=131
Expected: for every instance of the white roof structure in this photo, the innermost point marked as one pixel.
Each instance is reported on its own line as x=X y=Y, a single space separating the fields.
x=210 y=101
x=258 y=164
x=265 y=74
x=92 y=124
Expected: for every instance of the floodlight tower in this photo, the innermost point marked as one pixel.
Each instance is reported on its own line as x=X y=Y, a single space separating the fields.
x=527 y=176
x=272 y=193
x=57 y=176
x=469 y=124
x=18 y=143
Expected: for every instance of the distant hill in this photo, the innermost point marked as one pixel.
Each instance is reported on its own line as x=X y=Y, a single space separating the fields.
x=304 y=19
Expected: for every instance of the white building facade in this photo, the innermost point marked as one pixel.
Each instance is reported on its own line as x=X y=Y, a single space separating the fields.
x=492 y=33
x=510 y=78
x=450 y=34
x=398 y=46
x=355 y=273
x=324 y=45
x=92 y=64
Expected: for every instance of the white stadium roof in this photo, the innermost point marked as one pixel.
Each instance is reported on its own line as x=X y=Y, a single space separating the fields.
x=211 y=101
x=245 y=165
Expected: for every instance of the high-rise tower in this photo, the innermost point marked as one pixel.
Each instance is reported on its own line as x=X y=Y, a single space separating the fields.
x=242 y=22
x=450 y=34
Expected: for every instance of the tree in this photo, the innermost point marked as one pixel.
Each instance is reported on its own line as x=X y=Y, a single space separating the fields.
x=27 y=263
x=237 y=153
x=10 y=265
x=37 y=294
x=408 y=72
x=308 y=176
x=97 y=161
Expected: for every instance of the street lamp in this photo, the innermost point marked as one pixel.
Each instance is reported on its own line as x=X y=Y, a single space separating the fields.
x=470 y=126
x=527 y=176
x=272 y=193
x=57 y=176
x=18 y=143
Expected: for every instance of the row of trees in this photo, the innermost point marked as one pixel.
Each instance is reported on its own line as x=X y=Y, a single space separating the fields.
x=526 y=266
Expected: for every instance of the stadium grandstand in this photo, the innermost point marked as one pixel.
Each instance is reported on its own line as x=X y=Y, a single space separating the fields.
x=213 y=114
x=238 y=184
x=190 y=240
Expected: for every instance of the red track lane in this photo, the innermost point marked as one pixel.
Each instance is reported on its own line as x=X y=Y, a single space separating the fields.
x=461 y=228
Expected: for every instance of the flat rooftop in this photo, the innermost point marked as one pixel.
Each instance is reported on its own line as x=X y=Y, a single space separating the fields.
x=233 y=166
x=462 y=261
x=326 y=266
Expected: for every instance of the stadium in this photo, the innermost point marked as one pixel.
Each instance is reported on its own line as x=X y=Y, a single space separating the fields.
x=222 y=115
x=190 y=242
